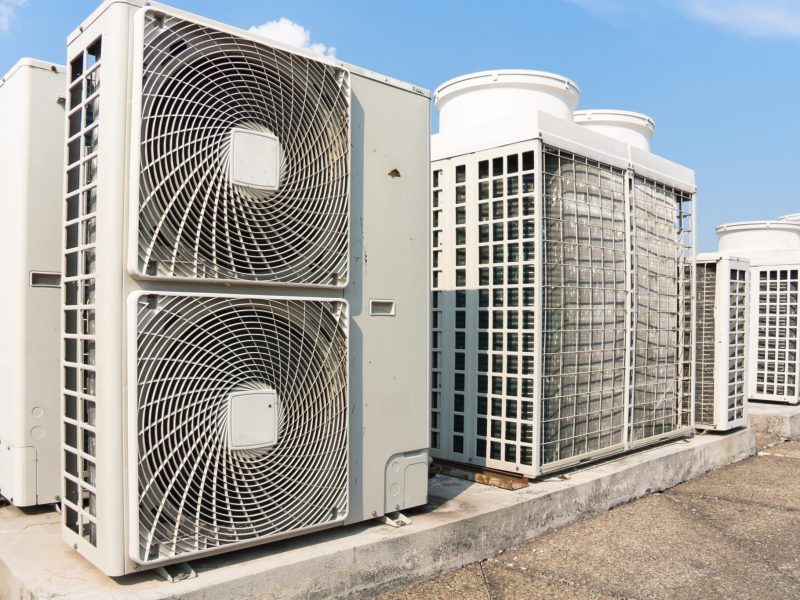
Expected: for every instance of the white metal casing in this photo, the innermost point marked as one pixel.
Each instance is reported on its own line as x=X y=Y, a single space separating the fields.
x=496 y=358
x=773 y=249
x=31 y=155
x=388 y=375
x=722 y=338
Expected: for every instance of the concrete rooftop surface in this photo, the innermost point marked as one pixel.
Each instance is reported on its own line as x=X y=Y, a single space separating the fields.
x=733 y=533
x=463 y=523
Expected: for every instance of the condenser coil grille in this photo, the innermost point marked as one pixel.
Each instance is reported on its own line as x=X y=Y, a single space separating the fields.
x=202 y=484
x=208 y=206
x=661 y=395
x=705 y=355
x=777 y=365
x=584 y=309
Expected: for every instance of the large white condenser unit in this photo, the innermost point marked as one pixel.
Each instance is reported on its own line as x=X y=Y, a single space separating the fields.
x=562 y=281
x=721 y=341
x=246 y=300
x=31 y=169
x=773 y=249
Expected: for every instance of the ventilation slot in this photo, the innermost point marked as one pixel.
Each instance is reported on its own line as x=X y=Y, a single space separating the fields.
x=43 y=279
x=382 y=308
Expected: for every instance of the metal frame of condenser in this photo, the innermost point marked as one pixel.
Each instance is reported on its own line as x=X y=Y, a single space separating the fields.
x=448 y=423
x=722 y=371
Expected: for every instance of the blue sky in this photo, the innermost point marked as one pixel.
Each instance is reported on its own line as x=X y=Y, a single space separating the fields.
x=721 y=78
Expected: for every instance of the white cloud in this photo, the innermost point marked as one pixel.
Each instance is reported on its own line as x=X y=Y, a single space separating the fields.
x=757 y=18
x=7 y=13
x=291 y=33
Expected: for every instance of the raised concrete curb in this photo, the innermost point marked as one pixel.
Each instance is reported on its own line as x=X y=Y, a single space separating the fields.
x=774 y=422
x=464 y=523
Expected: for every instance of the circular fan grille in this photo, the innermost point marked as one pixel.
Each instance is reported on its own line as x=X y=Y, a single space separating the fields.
x=195 y=491
x=200 y=84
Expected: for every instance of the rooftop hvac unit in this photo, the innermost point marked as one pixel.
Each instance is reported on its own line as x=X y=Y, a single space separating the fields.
x=773 y=248
x=721 y=351
x=31 y=168
x=562 y=287
x=242 y=231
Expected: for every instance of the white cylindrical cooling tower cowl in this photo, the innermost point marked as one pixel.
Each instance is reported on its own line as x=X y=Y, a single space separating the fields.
x=759 y=237
x=487 y=96
x=632 y=128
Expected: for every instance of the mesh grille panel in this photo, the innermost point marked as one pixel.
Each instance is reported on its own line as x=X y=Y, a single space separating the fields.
x=706 y=342
x=662 y=286
x=198 y=85
x=584 y=307
x=195 y=491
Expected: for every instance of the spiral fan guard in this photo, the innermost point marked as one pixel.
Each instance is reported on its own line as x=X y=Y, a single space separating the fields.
x=195 y=492
x=198 y=85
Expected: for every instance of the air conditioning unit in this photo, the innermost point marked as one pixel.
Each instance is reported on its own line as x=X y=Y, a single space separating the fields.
x=244 y=306
x=562 y=287
x=31 y=168
x=721 y=341
x=773 y=249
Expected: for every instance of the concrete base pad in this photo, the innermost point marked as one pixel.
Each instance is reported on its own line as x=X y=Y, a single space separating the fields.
x=774 y=422
x=464 y=523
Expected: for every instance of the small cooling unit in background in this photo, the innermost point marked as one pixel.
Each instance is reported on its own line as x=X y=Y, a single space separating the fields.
x=773 y=249
x=721 y=351
x=260 y=282
x=31 y=169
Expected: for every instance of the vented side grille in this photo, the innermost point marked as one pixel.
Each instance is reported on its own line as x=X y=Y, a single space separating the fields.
x=80 y=486
x=776 y=366
x=661 y=396
x=504 y=411
x=737 y=341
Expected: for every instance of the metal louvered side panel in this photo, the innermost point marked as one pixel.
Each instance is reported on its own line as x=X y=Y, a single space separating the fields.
x=78 y=290
x=777 y=334
x=705 y=355
x=197 y=491
x=483 y=396
x=199 y=86
x=737 y=340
